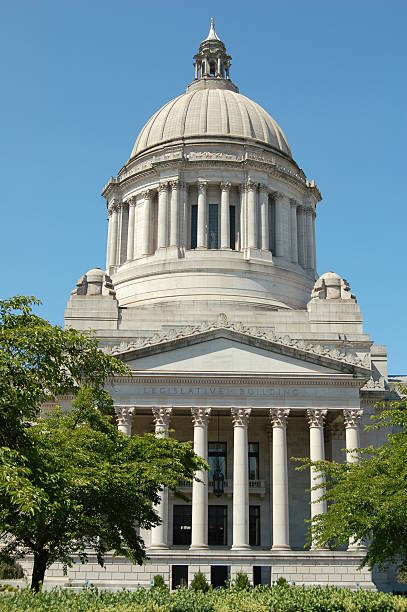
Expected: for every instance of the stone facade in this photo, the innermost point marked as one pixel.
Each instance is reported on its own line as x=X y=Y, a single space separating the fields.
x=211 y=295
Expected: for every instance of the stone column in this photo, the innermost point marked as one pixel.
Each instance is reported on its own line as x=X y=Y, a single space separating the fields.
x=280 y=229
x=159 y=534
x=243 y=216
x=114 y=220
x=352 y=421
x=199 y=538
x=264 y=218
x=162 y=216
x=201 y=242
x=251 y=215
x=109 y=235
x=317 y=453
x=240 y=417
x=281 y=524
x=301 y=237
x=131 y=229
x=174 y=226
x=293 y=227
x=124 y=416
x=224 y=216
x=309 y=239
x=146 y=246
x=183 y=216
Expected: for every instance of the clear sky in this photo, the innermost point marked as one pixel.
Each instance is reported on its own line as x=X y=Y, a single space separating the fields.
x=81 y=77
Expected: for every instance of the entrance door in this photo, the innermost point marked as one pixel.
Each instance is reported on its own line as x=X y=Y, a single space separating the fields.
x=219 y=576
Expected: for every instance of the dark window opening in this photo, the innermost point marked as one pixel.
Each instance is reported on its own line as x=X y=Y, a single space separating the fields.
x=232 y=227
x=213 y=229
x=194 y=225
x=179 y=576
x=212 y=68
x=217 y=456
x=261 y=574
x=182 y=525
x=271 y=211
x=219 y=576
x=217 y=525
x=253 y=460
x=254 y=525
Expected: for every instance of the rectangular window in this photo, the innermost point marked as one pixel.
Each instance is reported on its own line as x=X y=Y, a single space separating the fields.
x=254 y=525
x=217 y=525
x=217 y=455
x=179 y=576
x=253 y=460
x=232 y=227
x=213 y=232
x=194 y=225
x=182 y=525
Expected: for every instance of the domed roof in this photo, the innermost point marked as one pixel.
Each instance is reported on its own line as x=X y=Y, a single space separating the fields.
x=211 y=112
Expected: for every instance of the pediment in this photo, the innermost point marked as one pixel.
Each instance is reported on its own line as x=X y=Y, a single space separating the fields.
x=221 y=346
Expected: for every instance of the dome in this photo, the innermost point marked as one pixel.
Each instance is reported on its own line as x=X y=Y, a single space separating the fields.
x=212 y=113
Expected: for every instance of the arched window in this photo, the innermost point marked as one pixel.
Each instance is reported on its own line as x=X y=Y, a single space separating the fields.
x=212 y=69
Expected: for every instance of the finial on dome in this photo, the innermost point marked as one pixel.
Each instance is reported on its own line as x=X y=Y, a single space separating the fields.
x=212 y=34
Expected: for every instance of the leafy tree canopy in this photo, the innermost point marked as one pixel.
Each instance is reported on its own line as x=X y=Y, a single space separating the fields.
x=368 y=500
x=72 y=481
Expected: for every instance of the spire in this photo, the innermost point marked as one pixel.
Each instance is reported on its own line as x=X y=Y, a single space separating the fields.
x=212 y=63
x=212 y=34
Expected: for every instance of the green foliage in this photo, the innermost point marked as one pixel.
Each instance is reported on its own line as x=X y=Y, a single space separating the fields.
x=159 y=582
x=368 y=500
x=199 y=582
x=258 y=599
x=241 y=582
x=282 y=582
x=10 y=570
x=72 y=481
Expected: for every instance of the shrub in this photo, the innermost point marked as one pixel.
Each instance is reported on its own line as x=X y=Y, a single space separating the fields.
x=241 y=582
x=281 y=582
x=158 y=582
x=199 y=582
x=10 y=570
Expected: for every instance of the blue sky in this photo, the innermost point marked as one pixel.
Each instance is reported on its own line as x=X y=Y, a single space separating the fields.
x=80 y=79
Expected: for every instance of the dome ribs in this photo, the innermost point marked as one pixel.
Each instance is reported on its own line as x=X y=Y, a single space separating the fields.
x=203 y=118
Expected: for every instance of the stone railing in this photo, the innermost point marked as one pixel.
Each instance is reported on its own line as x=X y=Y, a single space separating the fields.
x=255 y=486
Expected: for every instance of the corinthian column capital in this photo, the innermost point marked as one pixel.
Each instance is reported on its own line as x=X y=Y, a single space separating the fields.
x=161 y=416
x=200 y=415
x=316 y=417
x=202 y=186
x=352 y=417
x=279 y=416
x=225 y=185
x=124 y=414
x=240 y=416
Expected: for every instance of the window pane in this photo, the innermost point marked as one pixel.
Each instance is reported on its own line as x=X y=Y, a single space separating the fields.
x=213 y=227
x=194 y=225
x=217 y=525
x=253 y=460
x=232 y=227
x=254 y=525
x=217 y=453
x=182 y=525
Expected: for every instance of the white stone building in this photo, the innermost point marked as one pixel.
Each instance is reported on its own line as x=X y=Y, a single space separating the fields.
x=211 y=295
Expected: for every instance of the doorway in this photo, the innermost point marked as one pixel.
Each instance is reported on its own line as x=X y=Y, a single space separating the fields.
x=219 y=576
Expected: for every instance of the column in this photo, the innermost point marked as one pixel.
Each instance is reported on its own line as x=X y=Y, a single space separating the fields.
x=281 y=524
x=199 y=538
x=114 y=219
x=159 y=534
x=183 y=214
x=352 y=421
x=317 y=453
x=279 y=221
x=146 y=243
x=293 y=227
x=301 y=237
x=124 y=416
x=313 y=240
x=109 y=235
x=224 y=216
x=309 y=239
x=242 y=217
x=251 y=215
x=131 y=229
x=202 y=242
x=240 y=418
x=174 y=225
x=162 y=215
x=264 y=218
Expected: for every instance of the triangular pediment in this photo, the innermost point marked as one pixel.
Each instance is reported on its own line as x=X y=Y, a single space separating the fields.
x=222 y=346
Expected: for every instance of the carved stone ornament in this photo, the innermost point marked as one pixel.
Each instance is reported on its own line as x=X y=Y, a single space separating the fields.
x=175 y=184
x=240 y=416
x=94 y=282
x=222 y=322
x=374 y=385
x=331 y=286
x=226 y=185
x=202 y=186
x=352 y=417
x=251 y=185
x=279 y=416
x=161 y=416
x=148 y=194
x=200 y=416
x=131 y=201
x=163 y=187
x=124 y=414
x=316 y=417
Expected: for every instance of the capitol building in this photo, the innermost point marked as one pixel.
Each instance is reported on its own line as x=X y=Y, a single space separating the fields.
x=211 y=295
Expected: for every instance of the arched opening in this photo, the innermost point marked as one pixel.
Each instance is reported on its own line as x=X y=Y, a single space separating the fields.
x=212 y=69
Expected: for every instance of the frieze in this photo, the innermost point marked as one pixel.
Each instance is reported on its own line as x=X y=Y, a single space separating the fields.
x=261 y=333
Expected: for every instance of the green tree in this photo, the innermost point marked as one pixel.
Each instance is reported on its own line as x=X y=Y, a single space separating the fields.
x=368 y=500
x=72 y=481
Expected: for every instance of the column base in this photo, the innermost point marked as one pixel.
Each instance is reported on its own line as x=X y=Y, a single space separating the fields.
x=241 y=547
x=281 y=547
x=198 y=547
x=158 y=547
